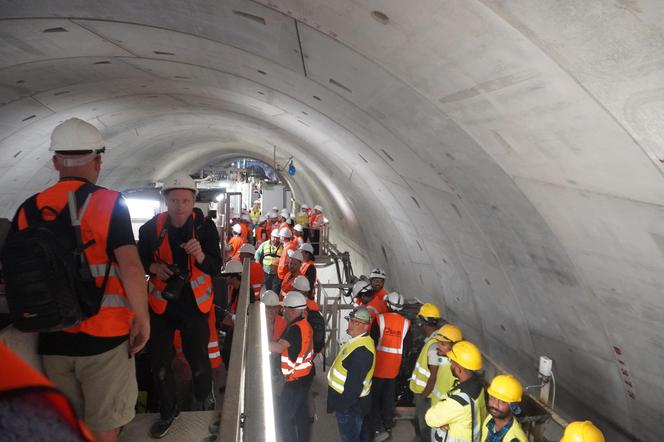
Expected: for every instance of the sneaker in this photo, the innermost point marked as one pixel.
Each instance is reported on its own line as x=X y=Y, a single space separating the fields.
x=380 y=436
x=160 y=428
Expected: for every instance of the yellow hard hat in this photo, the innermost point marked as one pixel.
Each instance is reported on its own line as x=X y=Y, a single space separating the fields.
x=506 y=388
x=467 y=355
x=582 y=431
x=429 y=311
x=448 y=333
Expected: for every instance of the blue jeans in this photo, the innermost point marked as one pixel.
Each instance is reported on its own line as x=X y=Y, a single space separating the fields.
x=351 y=427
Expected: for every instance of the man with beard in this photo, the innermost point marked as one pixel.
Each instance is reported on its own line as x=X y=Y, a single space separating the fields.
x=458 y=417
x=365 y=296
x=504 y=397
x=377 y=280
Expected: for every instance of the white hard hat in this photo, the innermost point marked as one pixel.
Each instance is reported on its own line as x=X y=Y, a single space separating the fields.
x=361 y=287
x=304 y=206
x=319 y=208
x=257 y=201
x=76 y=135
x=247 y=248
x=237 y=229
x=295 y=300
x=273 y=214
x=232 y=267
x=285 y=233
x=377 y=273
x=179 y=180
x=297 y=254
x=275 y=209
x=245 y=217
x=261 y=219
x=270 y=299
x=306 y=247
x=302 y=284
x=285 y=213
x=298 y=228
x=394 y=300
x=274 y=233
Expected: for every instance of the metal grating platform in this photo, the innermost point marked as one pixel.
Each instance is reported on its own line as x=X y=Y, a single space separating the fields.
x=189 y=426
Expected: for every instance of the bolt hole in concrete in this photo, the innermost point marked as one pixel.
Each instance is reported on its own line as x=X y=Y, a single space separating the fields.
x=380 y=17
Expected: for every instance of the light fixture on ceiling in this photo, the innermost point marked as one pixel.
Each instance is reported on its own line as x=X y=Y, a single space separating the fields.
x=380 y=17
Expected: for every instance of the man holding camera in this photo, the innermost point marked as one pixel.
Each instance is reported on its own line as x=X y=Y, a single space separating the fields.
x=180 y=251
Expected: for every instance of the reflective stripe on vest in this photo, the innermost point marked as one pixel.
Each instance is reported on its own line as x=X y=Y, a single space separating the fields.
x=114 y=317
x=271 y=255
x=444 y=382
x=282 y=267
x=336 y=376
x=421 y=373
x=467 y=429
x=200 y=282
x=393 y=328
x=304 y=361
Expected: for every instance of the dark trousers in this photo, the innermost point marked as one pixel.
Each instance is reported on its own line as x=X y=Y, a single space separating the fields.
x=352 y=427
x=271 y=281
x=383 y=401
x=195 y=332
x=295 y=423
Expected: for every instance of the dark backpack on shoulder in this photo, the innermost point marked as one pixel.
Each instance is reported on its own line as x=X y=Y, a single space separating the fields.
x=48 y=281
x=317 y=323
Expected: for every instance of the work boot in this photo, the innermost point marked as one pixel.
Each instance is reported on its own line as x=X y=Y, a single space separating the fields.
x=160 y=428
x=207 y=404
x=380 y=436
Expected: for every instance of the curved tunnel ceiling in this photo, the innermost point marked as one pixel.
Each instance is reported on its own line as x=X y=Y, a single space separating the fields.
x=503 y=159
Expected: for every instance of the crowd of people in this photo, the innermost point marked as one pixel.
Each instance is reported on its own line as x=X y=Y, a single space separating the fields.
x=91 y=361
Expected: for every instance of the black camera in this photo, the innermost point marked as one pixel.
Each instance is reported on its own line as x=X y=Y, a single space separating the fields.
x=175 y=284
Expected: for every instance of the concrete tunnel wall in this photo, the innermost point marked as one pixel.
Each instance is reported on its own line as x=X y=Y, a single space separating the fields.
x=501 y=159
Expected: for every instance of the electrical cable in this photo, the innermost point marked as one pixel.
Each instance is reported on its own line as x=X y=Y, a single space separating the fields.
x=553 y=395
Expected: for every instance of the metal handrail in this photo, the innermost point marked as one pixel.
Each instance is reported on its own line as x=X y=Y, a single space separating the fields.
x=248 y=411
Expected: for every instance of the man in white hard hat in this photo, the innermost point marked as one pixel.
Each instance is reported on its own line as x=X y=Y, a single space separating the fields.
x=294 y=263
x=377 y=279
x=268 y=255
x=120 y=325
x=235 y=242
x=276 y=324
x=232 y=275
x=286 y=237
x=256 y=276
x=298 y=233
x=364 y=295
x=180 y=251
x=261 y=232
x=391 y=333
x=316 y=219
x=297 y=361
x=308 y=267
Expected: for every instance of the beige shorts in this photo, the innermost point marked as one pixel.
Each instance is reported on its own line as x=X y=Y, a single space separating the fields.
x=102 y=388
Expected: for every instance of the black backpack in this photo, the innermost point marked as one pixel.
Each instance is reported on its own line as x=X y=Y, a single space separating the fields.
x=317 y=323
x=47 y=278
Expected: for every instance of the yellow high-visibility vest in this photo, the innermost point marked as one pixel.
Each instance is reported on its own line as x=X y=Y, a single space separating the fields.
x=421 y=373
x=336 y=376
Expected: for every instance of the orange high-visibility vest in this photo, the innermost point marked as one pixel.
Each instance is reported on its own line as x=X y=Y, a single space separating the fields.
x=313 y=305
x=245 y=232
x=261 y=235
x=280 y=326
x=316 y=221
x=201 y=282
x=287 y=284
x=376 y=306
x=213 y=343
x=282 y=267
x=393 y=328
x=16 y=375
x=293 y=370
x=114 y=317
x=382 y=293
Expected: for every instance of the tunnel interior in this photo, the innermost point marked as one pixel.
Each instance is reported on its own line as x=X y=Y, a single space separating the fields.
x=501 y=159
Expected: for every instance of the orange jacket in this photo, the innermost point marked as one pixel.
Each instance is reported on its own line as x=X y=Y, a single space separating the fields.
x=293 y=370
x=245 y=232
x=313 y=305
x=287 y=284
x=261 y=234
x=393 y=328
x=376 y=306
x=16 y=375
x=201 y=282
x=381 y=294
x=114 y=317
x=235 y=242
x=282 y=267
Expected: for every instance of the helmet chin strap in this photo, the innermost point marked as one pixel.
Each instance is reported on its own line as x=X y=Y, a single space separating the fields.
x=75 y=161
